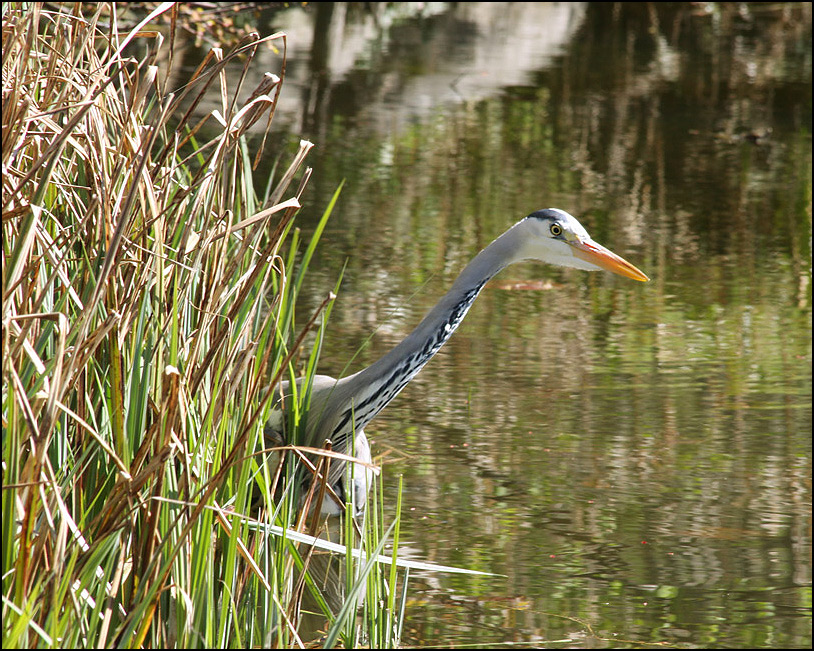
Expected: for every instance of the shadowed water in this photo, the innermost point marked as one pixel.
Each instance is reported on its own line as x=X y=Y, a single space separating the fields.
x=634 y=459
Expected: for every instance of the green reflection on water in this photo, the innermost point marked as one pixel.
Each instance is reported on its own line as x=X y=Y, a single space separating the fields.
x=636 y=459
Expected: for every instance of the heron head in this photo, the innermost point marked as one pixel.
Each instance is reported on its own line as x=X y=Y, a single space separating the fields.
x=558 y=238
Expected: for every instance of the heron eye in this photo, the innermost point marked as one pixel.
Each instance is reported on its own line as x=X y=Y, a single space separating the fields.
x=556 y=230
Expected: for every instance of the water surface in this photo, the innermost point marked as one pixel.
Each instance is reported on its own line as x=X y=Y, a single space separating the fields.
x=633 y=460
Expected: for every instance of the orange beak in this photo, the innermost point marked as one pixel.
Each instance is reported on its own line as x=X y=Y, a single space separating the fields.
x=598 y=255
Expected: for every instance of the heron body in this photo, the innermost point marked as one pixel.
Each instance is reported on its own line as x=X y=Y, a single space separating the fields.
x=340 y=409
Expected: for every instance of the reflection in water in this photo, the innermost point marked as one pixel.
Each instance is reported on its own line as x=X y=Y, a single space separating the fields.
x=635 y=460
x=329 y=572
x=429 y=58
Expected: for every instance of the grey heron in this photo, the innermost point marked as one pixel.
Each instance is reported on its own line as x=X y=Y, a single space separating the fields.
x=340 y=409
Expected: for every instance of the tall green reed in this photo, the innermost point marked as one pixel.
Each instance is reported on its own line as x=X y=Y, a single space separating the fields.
x=149 y=310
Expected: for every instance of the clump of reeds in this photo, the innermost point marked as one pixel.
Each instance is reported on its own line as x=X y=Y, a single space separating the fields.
x=149 y=296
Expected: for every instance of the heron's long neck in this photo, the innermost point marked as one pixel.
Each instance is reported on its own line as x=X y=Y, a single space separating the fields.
x=368 y=391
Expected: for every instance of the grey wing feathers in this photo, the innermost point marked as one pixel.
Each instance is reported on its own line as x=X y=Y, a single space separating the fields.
x=321 y=390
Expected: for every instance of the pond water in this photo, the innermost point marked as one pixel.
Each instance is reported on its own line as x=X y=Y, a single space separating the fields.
x=632 y=460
